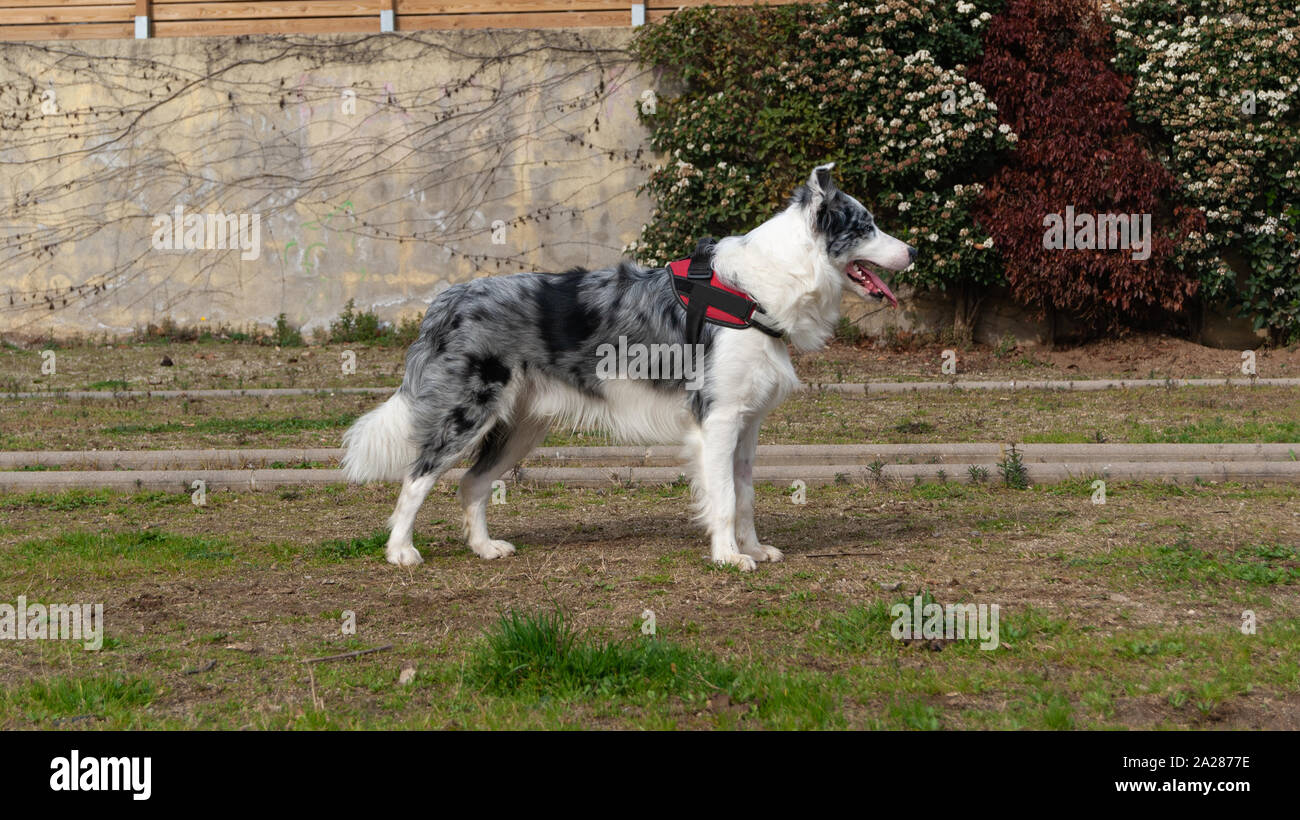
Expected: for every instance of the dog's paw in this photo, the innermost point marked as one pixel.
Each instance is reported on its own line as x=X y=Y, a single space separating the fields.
x=493 y=549
x=737 y=559
x=404 y=556
x=762 y=552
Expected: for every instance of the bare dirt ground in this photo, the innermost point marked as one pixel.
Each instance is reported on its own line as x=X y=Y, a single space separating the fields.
x=1200 y=414
x=1128 y=614
x=1123 y=615
x=1130 y=357
x=228 y=365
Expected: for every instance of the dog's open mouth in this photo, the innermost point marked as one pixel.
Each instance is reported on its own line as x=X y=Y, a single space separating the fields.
x=869 y=282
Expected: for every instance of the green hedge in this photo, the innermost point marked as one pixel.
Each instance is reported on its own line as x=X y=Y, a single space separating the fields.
x=760 y=96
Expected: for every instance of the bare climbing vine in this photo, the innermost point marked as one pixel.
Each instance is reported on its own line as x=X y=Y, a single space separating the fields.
x=380 y=164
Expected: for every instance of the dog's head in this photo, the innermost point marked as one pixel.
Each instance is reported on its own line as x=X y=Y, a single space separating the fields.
x=848 y=234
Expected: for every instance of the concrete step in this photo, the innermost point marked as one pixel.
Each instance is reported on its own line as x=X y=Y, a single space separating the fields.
x=1181 y=472
x=862 y=388
x=669 y=456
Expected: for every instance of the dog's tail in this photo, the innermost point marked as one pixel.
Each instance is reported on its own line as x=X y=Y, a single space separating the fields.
x=379 y=445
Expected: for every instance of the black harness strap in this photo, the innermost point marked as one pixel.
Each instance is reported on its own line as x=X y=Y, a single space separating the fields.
x=697 y=286
x=699 y=276
x=768 y=329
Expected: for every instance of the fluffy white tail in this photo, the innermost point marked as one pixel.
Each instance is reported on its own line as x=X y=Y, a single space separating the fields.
x=379 y=445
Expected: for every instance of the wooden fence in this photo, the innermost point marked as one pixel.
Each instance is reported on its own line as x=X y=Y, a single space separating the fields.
x=91 y=19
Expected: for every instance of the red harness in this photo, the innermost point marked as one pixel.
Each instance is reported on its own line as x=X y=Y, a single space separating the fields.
x=707 y=298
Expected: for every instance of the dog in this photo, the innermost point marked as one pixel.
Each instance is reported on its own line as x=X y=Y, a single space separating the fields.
x=501 y=359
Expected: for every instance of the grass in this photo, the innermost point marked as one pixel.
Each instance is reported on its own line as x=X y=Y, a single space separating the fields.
x=285 y=334
x=915 y=714
x=354 y=326
x=1183 y=564
x=292 y=424
x=1012 y=469
x=204 y=364
x=150 y=547
x=117 y=699
x=62 y=501
x=856 y=629
x=342 y=549
x=1212 y=414
x=108 y=384
x=1218 y=429
x=1095 y=629
x=540 y=655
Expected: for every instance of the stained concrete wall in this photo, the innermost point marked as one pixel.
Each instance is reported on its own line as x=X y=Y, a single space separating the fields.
x=376 y=167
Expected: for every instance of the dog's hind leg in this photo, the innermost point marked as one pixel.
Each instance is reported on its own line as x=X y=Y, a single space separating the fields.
x=716 y=487
x=451 y=431
x=743 y=474
x=401 y=550
x=506 y=444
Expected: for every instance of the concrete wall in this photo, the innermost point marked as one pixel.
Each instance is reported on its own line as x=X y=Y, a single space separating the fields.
x=375 y=166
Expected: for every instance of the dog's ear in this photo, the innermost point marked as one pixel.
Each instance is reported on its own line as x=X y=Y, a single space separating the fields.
x=814 y=192
x=820 y=181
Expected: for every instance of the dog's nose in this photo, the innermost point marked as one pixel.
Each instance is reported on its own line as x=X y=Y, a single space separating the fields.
x=911 y=254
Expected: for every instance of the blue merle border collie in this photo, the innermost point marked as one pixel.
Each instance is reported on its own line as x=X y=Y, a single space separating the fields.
x=499 y=360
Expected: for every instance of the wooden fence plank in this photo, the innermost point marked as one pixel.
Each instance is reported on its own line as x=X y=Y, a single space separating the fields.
x=668 y=5
x=92 y=19
x=429 y=7
x=73 y=31
x=289 y=25
x=22 y=4
x=574 y=19
x=262 y=11
x=52 y=14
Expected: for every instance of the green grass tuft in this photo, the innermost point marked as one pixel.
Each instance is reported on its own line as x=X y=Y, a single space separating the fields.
x=542 y=653
x=115 y=698
x=63 y=501
x=146 y=546
x=292 y=424
x=342 y=549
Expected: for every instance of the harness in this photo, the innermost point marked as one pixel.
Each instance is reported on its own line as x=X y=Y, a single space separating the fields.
x=707 y=299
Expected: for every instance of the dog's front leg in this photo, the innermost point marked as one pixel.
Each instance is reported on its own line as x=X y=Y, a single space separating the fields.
x=743 y=472
x=717 y=489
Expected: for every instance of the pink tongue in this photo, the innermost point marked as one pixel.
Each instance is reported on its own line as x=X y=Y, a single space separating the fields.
x=875 y=280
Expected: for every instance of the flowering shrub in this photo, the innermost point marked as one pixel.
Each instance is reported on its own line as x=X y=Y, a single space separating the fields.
x=1219 y=81
x=877 y=87
x=1047 y=67
x=963 y=124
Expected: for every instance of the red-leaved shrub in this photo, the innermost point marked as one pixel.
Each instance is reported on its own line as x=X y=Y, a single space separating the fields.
x=1047 y=67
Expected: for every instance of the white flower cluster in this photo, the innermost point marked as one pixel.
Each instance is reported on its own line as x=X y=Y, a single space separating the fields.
x=1228 y=117
x=684 y=172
